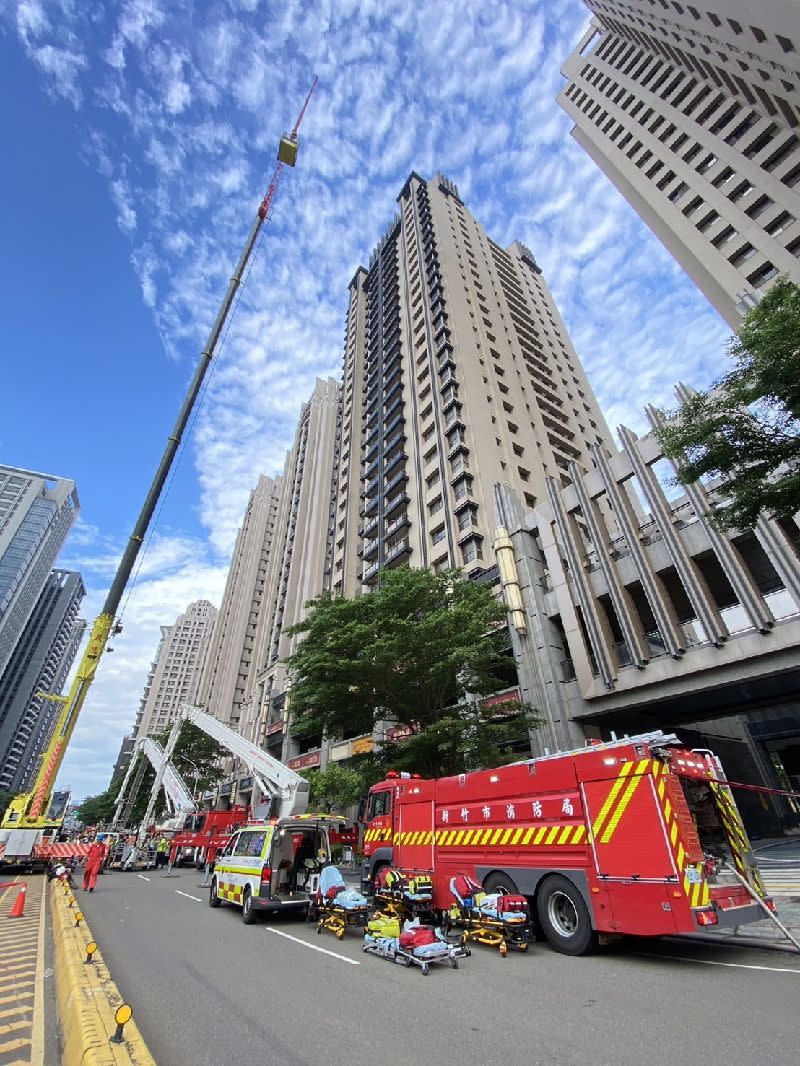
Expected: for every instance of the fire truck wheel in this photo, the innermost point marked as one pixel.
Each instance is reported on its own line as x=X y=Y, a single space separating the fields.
x=564 y=916
x=248 y=914
x=500 y=883
x=213 y=898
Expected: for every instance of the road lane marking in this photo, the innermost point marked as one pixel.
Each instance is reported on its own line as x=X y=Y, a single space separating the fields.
x=195 y=898
x=314 y=947
x=143 y=877
x=732 y=965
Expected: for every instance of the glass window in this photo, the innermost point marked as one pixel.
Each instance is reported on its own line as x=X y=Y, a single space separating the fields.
x=379 y=803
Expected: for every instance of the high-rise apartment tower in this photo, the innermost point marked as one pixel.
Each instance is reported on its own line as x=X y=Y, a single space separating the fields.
x=297 y=569
x=230 y=656
x=38 y=666
x=179 y=663
x=693 y=112
x=458 y=373
x=36 y=513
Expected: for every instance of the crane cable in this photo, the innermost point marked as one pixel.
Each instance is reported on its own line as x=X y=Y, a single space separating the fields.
x=198 y=406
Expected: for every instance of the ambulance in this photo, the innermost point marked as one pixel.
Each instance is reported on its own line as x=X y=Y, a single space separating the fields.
x=273 y=866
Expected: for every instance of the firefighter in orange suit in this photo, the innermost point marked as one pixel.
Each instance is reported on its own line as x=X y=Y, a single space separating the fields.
x=94 y=860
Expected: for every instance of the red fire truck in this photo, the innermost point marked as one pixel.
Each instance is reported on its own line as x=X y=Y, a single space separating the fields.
x=636 y=836
x=203 y=830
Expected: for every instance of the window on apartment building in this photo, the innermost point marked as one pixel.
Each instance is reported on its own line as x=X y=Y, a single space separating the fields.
x=724 y=235
x=694 y=203
x=678 y=192
x=437 y=535
x=741 y=255
x=471 y=550
x=707 y=221
x=693 y=152
x=760 y=142
x=725 y=175
x=433 y=479
x=744 y=188
x=782 y=153
x=759 y=207
x=785 y=43
x=467 y=517
x=663 y=182
x=779 y=223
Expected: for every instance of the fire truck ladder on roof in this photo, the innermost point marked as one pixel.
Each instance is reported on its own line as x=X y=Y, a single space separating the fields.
x=179 y=799
x=654 y=739
x=287 y=788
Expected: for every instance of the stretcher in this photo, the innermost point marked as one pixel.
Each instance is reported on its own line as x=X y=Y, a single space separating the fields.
x=405 y=896
x=383 y=938
x=497 y=920
x=335 y=907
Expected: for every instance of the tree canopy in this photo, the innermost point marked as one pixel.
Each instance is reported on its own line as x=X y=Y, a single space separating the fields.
x=338 y=787
x=746 y=430
x=414 y=655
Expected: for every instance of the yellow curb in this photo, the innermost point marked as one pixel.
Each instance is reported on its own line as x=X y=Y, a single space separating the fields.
x=86 y=998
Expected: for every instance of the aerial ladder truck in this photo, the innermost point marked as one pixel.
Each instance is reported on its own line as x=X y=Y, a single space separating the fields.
x=287 y=790
x=28 y=828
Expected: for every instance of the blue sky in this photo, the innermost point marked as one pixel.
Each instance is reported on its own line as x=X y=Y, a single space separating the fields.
x=139 y=139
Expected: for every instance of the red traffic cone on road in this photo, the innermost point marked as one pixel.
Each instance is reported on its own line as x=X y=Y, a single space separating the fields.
x=18 y=910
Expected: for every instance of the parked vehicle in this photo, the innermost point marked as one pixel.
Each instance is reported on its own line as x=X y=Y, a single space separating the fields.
x=637 y=836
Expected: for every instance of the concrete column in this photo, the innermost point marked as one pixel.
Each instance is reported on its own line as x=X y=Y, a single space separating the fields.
x=739 y=576
x=540 y=682
x=627 y=615
x=599 y=634
x=781 y=553
x=690 y=576
x=663 y=611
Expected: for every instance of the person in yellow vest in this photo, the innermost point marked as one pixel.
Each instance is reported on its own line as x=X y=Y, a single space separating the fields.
x=161 y=851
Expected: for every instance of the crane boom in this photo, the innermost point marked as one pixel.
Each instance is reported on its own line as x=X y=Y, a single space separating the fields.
x=29 y=810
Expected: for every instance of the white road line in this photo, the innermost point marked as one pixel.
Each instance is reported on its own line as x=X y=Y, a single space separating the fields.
x=195 y=898
x=143 y=877
x=732 y=965
x=314 y=947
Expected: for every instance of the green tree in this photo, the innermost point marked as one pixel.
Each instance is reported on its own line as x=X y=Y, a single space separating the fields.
x=746 y=430
x=96 y=809
x=413 y=654
x=196 y=755
x=338 y=787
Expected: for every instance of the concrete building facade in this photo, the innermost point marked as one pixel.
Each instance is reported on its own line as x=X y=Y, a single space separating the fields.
x=36 y=514
x=175 y=676
x=225 y=676
x=693 y=112
x=458 y=373
x=297 y=568
x=39 y=664
x=658 y=620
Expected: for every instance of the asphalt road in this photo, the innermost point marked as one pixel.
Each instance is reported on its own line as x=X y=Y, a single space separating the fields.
x=207 y=989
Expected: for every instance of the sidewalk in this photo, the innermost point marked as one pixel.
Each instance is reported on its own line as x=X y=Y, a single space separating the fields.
x=21 y=976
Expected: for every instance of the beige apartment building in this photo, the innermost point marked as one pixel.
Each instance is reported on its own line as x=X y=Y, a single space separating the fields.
x=179 y=663
x=693 y=112
x=222 y=685
x=295 y=572
x=458 y=373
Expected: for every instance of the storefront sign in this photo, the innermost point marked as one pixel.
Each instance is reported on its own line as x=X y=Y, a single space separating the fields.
x=340 y=751
x=305 y=762
x=362 y=746
x=276 y=727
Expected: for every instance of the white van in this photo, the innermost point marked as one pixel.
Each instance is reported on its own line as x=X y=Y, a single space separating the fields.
x=273 y=866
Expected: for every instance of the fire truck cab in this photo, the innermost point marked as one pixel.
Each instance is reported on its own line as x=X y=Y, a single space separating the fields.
x=636 y=836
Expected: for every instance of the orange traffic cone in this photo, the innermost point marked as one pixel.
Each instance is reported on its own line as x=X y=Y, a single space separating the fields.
x=18 y=910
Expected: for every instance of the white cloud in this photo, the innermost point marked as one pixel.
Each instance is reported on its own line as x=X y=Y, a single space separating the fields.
x=126 y=215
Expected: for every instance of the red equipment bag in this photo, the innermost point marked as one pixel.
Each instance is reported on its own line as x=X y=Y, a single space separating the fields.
x=511 y=903
x=415 y=938
x=334 y=891
x=465 y=887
